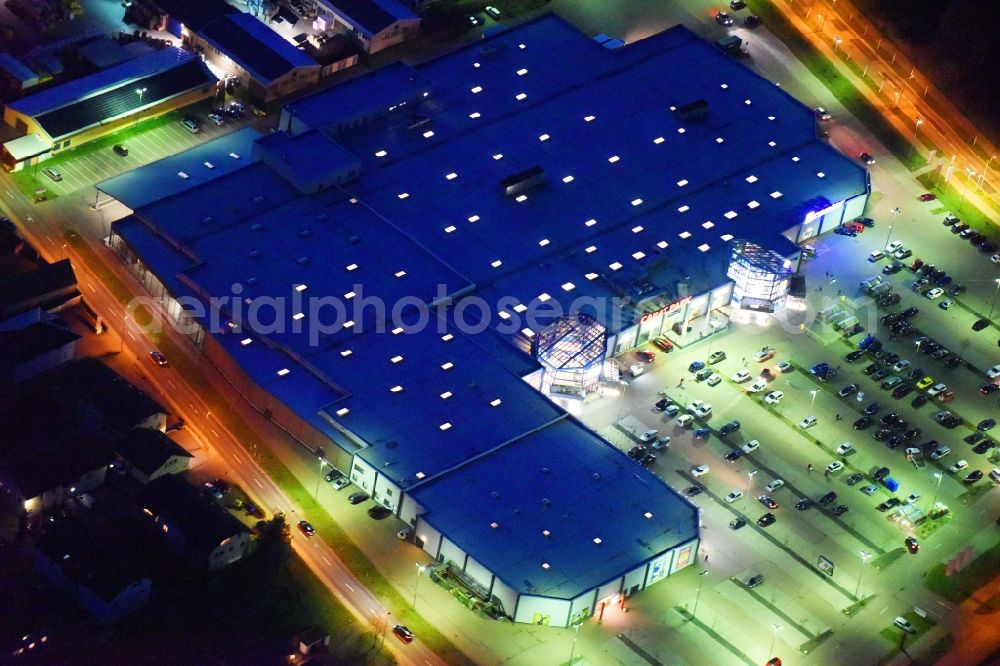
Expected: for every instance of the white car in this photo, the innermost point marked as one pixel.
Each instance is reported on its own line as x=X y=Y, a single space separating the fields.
x=637 y=369
x=905 y=625
x=700 y=470
x=684 y=420
x=694 y=406
x=835 y=466
x=757 y=386
x=785 y=366
x=901 y=365
x=733 y=497
x=995 y=474
x=958 y=467
x=877 y=255
x=993 y=372
x=940 y=452
x=714 y=380
x=340 y=483
x=995 y=258
x=751 y=446
x=844 y=449
x=937 y=388
x=741 y=376
x=774 y=485
x=893 y=246
x=934 y=293
x=774 y=397
x=807 y=422
x=649 y=435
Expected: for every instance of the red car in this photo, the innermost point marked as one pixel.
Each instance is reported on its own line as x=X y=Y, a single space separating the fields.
x=856 y=226
x=927 y=196
x=645 y=356
x=663 y=343
x=947 y=396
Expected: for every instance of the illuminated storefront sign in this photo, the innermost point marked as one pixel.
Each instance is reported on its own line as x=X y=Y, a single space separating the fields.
x=816 y=214
x=666 y=310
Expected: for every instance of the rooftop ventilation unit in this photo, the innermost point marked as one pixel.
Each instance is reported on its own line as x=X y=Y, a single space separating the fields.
x=207 y=220
x=546 y=502
x=256 y=226
x=321 y=217
x=495 y=495
x=305 y=233
x=302 y=261
x=258 y=200
x=693 y=111
x=254 y=254
x=518 y=183
x=251 y=281
x=353 y=239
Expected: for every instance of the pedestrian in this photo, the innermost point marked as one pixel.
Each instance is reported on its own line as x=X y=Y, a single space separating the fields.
x=838 y=417
x=680 y=384
x=809 y=467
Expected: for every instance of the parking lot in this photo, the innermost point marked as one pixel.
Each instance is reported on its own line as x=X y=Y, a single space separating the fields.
x=146 y=142
x=872 y=518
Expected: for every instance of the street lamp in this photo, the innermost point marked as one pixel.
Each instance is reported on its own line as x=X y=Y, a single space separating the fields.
x=572 y=650
x=121 y=346
x=701 y=580
x=322 y=464
x=749 y=486
x=916 y=127
x=774 y=637
x=939 y=476
x=994 y=304
x=892 y=220
x=969 y=173
x=138 y=91
x=864 y=558
x=420 y=569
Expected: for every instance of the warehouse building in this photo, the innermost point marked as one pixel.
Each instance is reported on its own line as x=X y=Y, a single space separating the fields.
x=483 y=232
x=88 y=108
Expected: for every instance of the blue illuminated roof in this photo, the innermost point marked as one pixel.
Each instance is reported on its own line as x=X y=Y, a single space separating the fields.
x=630 y=207
x=566 y=480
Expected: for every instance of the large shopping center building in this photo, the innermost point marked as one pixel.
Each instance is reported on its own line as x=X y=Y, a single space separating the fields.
x=496 y=225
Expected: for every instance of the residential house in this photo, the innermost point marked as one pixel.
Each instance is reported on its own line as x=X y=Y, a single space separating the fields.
x=193 y=524
x=149 y=454
x=106 y=579
x=31 y=350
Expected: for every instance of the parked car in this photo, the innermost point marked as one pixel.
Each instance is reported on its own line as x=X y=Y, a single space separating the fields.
x=766 y=519
x=120 y=150
x=722 y=18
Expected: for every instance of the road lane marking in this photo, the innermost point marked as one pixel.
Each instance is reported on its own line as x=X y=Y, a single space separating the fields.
x=348 y=586
x=259 y=484
x=883 y=610
x=327 y=560
x=216 y=434
x=171 y=384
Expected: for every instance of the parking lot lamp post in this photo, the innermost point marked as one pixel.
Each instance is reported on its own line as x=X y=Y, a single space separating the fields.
x=864 y=558
x=937 y=487
x=982 y=176
x=420 y=569
x=994 y=304
x=813 y=401
x=749 y=486
x=892 y=220
x=697 y=596
x=572 y=650
x=969 y=174
x=774 y=637
x=138 y=91
x=121 y=338
x=322 y=464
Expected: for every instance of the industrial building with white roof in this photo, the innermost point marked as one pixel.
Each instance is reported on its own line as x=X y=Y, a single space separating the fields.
x=378 y=273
